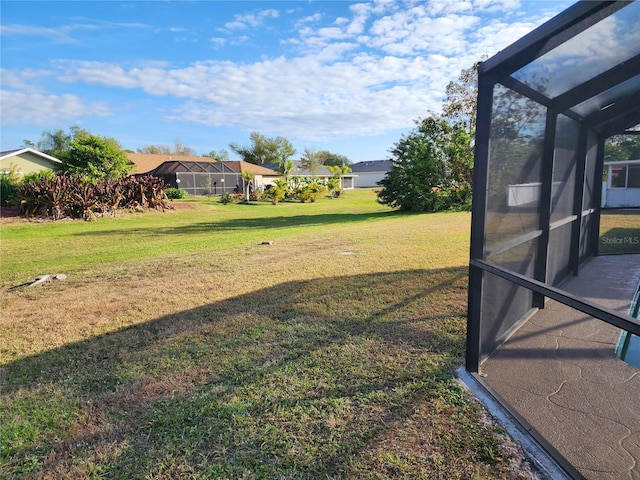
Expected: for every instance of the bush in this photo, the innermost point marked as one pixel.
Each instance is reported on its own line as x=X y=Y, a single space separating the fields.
x=176 y=193
x=7 y=191
x=231 y=198
x=9 y=183
x=77 y=197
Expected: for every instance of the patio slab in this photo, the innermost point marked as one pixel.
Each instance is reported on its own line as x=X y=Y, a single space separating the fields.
x=559 y=373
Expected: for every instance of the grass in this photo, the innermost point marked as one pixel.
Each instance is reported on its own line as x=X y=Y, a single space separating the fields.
x=619 y=231
x=181 y=347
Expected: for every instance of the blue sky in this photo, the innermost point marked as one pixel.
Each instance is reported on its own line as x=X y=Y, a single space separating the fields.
x=348 y=77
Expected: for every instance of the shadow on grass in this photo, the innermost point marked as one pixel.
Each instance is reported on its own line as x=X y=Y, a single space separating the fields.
x=620 y=240
x=262 y=223
x=299 y=380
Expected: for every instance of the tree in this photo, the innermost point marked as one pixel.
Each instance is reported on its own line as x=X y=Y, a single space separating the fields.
x=284 y=168
x=335 y=159
x=178 y=148
x=277 y=191
x=264 y=150
x=312 y=160
x=247 y=177
x=56 y=143
x=221 y=155
x=431 y=168
x=461 y=101
x=98 y=158
x=335 y=189
x=622 y=147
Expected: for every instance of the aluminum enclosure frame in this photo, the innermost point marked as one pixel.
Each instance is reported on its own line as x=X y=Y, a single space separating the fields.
x=582 y=106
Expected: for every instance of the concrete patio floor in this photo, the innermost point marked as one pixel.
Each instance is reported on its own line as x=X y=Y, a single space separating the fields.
x=560 y=375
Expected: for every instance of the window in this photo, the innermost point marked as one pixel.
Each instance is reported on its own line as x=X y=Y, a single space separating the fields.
x=633 y=180
x=625 y=176
x=618 y=177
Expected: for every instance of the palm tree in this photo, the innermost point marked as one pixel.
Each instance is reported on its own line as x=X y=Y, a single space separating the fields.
x=247 y=177
x=285 y=168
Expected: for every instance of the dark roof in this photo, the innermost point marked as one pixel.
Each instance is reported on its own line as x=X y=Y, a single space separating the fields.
x=372 y=166
x=179 y=166
x=298 y=171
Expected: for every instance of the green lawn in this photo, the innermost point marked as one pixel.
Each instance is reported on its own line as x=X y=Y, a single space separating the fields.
x=180 y=346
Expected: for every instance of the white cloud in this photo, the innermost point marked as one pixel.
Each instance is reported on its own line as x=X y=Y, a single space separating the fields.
x=376 y=71
x=19 y=108
x=247 y=20
x=60 y=35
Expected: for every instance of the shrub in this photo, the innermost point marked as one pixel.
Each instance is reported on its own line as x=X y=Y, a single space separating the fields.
x=176 y=193
x=9 y=183
x=7 y=191
x=227 y=198
x=77 y=197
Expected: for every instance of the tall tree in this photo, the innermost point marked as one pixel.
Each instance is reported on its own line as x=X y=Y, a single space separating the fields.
x=431 y=168
x=461 y=101
x=264 y=150
x=97 y=158
x=284 y=168
x=622 y=147
x=247 y=178
x=56 y=143
x=178 y=148
x=221 y=155
x=335 y=159
x=312 y=160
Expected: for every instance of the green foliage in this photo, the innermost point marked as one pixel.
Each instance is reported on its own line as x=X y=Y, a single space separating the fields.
x=98 y=158
x=221 y=155
x=29 y=177
x=460 y=105
x=9 y=183
x=307 y=189
x=312 y=160
x=176 y=193
x=284 y=168
x=622 y=147
x=433 y=165
x=7 y=191
x=333 y=184
x=278 y=191
x=76 y=197
x=178 y=148
x=247 y=184
x=226 y=198
x=57 y=143
x=431 y=169
x=265 y=150
x=334 y=159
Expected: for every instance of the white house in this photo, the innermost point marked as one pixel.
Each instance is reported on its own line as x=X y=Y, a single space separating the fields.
x=622 y=186
x=369 y=173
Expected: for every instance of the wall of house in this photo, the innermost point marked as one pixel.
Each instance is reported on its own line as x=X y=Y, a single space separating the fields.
x=368 y=179
x=26 y=162
x=620 y=197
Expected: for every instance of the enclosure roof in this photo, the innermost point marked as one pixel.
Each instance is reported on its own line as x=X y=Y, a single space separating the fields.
x=584 y=62
x=178 y=166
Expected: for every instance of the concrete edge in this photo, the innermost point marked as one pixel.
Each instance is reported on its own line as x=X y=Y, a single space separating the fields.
x=544 y=462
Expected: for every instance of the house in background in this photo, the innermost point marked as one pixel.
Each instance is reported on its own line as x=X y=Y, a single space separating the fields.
x=369 y=173
x=622 y=186
x=27 y=160
x=322 y=173
x=200 y=175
